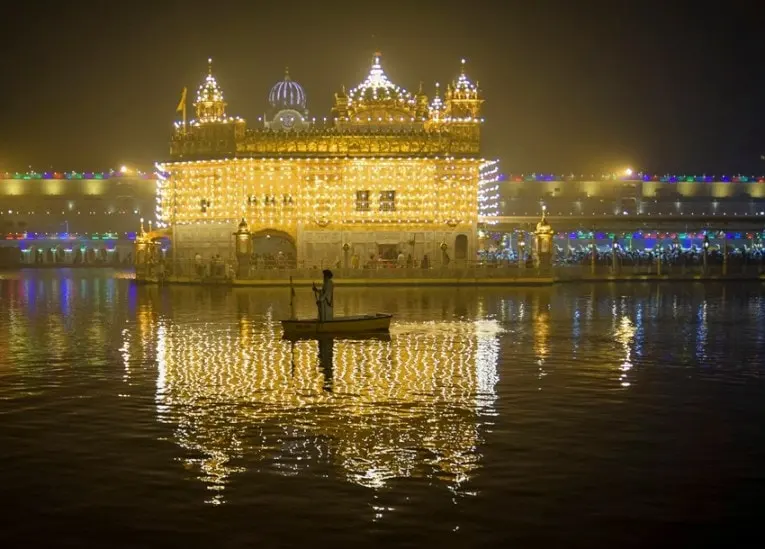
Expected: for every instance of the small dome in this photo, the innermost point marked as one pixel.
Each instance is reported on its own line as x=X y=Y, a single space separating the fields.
x=287 y=94
x=376 y=87
x=463 y=83
x=543 y=227
x=243 y=225
x=209 y=91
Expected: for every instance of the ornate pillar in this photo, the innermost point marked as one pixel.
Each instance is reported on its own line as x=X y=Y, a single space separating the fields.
x=141 y=252
x=615 y=256
x=443 y=248
x=346 y=249
x=543 y=244
x=243 y=249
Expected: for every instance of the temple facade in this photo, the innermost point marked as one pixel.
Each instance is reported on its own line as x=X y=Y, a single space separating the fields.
x=389 y=173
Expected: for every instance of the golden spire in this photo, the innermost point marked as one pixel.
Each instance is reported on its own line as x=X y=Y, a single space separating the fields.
x=286 y=73
x=209 y=104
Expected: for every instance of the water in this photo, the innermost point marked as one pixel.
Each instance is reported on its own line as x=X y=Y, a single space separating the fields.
x=572 y=416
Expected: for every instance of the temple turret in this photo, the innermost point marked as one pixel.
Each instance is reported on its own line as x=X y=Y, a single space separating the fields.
x=462 y=107
x=210 y=105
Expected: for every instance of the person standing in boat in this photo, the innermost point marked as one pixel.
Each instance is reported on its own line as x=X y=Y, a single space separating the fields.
x=325 y=297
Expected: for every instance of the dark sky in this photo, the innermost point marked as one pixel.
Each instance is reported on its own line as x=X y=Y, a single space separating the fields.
x=570 y=86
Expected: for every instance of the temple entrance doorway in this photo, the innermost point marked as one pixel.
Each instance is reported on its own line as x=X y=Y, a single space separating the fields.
x=272 y=249
x=460 y=247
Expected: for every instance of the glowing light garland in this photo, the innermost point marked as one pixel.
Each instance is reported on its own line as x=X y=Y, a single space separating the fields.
x=68 y=236
x=517 y=178
x=488 y=190
x=659 y=235
x=112 y=174
x=284 y=192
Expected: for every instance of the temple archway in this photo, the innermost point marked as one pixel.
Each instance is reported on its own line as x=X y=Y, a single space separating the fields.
x=272 y=248
x=461 y=247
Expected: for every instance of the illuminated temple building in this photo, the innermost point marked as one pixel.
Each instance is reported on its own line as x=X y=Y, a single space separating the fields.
x=391 y=171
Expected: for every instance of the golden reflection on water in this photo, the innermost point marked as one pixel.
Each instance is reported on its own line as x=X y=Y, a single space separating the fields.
x=540 y=314
x=624 y=335
x=374 y=409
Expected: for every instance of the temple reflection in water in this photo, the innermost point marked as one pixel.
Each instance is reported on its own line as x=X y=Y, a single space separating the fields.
x=374 y=409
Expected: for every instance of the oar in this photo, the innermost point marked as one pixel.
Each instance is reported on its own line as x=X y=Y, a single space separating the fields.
x=316 y=297
x=292 y=301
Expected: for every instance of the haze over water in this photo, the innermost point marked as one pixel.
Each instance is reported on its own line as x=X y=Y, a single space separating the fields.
x=575 y=415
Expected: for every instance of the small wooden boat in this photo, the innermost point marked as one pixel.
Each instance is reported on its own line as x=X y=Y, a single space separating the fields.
x=363 y=324
x=346 y=337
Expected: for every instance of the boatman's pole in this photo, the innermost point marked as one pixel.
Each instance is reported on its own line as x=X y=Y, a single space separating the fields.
x=292 y=301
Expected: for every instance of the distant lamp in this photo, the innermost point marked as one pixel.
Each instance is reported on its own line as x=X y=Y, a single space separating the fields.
x=628 y=172
x=706 y=242
x=124 y=169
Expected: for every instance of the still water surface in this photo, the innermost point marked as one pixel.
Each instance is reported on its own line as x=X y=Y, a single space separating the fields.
x=582 y=415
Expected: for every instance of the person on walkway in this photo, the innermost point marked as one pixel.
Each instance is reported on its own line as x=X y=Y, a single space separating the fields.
x=325 y=297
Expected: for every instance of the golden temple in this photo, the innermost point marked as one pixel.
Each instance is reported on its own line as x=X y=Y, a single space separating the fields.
x=390 y=172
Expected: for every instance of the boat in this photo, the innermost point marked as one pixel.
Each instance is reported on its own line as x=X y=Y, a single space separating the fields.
x=362 y=324
x=345 y=337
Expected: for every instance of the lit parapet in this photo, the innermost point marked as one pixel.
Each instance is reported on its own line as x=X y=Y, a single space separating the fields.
x=377 y=409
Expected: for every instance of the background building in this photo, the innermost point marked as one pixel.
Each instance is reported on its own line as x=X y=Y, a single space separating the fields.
x=72 y=218
x=75 y=202
x=638 y=194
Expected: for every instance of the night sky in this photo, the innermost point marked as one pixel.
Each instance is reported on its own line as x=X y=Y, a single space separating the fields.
x=572 y=86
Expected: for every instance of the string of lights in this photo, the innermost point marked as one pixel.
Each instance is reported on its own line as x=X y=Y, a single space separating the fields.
x=639 y=177
x=284 y=192
x=488 y=189
x=112 y=174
